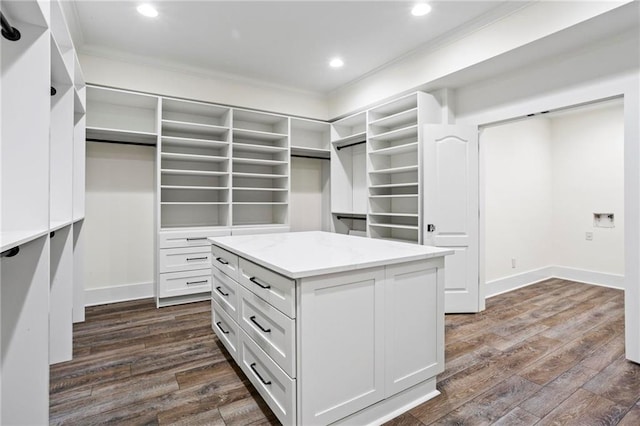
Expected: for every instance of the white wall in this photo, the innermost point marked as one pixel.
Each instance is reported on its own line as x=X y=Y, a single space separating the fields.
x=212 y=87
x=119 y=226
x=518 y=197
x=588 y=177
x=309 y=209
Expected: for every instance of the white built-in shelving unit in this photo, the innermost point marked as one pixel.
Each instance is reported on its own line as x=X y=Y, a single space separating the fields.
x=348 y=175
x=42 y=205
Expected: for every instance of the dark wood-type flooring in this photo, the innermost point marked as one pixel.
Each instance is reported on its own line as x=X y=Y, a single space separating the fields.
x=548 y=354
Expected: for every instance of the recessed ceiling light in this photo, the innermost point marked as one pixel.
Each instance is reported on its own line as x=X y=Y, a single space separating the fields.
x=420 y=9
x=336 y=63
x=147 y=10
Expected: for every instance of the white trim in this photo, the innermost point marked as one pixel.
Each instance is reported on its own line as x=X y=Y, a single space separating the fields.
x=513 y=282
x=120 y=293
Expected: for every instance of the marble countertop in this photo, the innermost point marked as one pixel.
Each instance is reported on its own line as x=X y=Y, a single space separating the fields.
x=304 y=254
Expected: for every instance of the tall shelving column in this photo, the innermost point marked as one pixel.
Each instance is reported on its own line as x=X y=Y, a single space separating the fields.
x=348 y=175
x=193 y=183
x=260 y=172
x=395 y=139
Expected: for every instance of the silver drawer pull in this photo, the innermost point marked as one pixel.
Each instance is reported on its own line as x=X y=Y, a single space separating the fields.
x=222 y=292
x=221 y=260
x=253 y=320
x=255 y=281
x=197 y=258
x=196 y=239
x=219 y=324
x=253 y=367
x=197 y=282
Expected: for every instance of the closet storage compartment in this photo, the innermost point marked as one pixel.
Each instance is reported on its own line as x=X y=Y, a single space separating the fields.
x=394 y=168
x=348 y=174
x=260 y=169
x=121 y=116
x=310 y=138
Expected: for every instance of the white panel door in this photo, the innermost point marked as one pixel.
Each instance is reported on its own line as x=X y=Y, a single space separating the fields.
x=451 y=209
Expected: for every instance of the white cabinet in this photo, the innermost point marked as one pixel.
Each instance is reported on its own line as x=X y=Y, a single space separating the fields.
x=333 y=344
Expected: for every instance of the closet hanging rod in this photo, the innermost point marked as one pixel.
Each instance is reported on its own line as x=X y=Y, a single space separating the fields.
x=349 y=145
x=9 y=32
x=11 y=252
x=340 y=217
x=119 y=142
x=310 y=156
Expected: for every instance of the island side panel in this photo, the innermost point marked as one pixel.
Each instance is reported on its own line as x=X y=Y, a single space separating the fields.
x=341 y=342
x=414 y=321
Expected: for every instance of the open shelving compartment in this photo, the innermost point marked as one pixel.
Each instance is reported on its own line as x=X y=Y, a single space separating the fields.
x=194 y=165
x=121 y=116
x=394 y=170
x=260 y=170
x=310 y=138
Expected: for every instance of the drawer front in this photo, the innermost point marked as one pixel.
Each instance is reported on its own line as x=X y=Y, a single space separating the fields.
x=225 y=328
x=189 y=238
x=184 y=259
x=225 y=261
x=273 y=331
x=183 y=283
x=273 y=384
x=225 y=292
x=272 y=287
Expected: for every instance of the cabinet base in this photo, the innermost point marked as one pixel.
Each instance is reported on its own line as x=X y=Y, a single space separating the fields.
x=179 y=300
x=393 y=406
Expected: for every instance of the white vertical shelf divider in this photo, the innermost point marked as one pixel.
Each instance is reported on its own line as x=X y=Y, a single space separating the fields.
x=61 y=295
x=348 y=175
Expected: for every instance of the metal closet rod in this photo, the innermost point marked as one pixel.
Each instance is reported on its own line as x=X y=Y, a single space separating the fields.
x=349 y=145
x=9 y=32
x=340 y=217
x=310 y=156
x=11 y=252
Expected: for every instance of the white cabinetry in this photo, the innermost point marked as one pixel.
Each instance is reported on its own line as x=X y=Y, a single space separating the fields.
x=42 y=205
x=324 y=343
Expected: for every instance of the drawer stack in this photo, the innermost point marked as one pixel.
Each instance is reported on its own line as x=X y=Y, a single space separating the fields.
x=253 y=314
x=185 y=264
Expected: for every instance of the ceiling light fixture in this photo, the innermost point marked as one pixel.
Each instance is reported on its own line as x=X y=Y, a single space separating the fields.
x=147 y=10
x=336 y=63
x=420 y=9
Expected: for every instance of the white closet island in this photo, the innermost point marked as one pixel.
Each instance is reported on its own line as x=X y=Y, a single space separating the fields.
x=331 y=328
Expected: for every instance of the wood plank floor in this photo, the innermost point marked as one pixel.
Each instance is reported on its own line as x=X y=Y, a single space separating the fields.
x=548 y=354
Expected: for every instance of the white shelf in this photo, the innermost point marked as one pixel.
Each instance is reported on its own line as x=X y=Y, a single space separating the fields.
x=17 y=238
x=258 y=175
x=205 y=188
x=398 y=119
x=193 y=157
x=395 y=106
x=357 y=137
x=116 y=135
x=257 y=135
x=394 y=196
x=260 y=203
x=398 y=149
x=394 y=185
x=345 y=213
x=192 y=142
x=258 y=161
x=407 y=215
x=394 y=226
x=55 y=226
x=249 y=147
x=394 y=170
x=397 y=134
x=193 y=203
x=182 y=172
x=310 y=152
x=235 y=188
x=189 y=127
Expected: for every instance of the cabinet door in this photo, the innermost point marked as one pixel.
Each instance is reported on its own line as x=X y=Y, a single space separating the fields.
x=341 y=341
x=414 y=323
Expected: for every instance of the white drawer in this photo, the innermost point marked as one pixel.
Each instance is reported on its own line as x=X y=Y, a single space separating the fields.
x=189 y=238
x=225 y=261
x=272 y=287
x=273 y=384
x=184 y=259
x=183 y=283
x=225 y=328
x=225 y=292
x=273 y=331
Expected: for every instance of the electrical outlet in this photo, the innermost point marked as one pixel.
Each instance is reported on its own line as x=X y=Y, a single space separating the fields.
x=513 y=262
x=589 y=236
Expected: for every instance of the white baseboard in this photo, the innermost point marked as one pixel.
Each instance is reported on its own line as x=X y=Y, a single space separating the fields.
x=513 y=282
x=120 y=293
